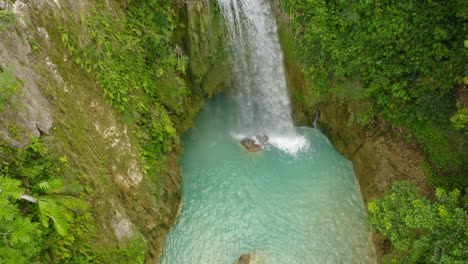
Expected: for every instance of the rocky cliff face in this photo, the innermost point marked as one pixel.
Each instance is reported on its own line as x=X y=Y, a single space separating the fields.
x=35 y=113
x=379 y=154
x=204 y=42
x=63 y=103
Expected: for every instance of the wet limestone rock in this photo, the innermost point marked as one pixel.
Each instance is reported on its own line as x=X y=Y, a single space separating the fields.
x=251 y=258
x=255 y=144
x=33 y=116
x=123 y=228
x=245 y=259
x=250 y=145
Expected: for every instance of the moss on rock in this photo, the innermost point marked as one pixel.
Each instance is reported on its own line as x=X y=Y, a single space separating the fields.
x=56 y=50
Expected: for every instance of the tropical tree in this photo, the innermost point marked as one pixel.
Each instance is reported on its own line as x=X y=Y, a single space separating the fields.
x=422 y=231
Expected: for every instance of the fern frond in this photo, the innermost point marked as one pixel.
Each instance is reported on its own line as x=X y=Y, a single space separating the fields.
x=22 y=230
x=10 y=187
x=49 y=209
x=44 y=211
x=71 y=188
x=12 y=256
x=52 y=185
x=72 y=203
x=43 y=185
x=7 y=209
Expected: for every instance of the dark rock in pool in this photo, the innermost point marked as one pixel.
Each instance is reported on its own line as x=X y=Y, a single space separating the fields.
x=250 y=145
x=255 y=144
x=250 y=258
x=245 y=259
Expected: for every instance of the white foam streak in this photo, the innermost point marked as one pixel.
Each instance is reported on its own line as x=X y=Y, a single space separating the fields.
x=290 y=144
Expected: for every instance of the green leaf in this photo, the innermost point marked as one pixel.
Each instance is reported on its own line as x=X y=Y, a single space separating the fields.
x=49 y=209
x=10 y=187
x=22 y=230
x=8 y=210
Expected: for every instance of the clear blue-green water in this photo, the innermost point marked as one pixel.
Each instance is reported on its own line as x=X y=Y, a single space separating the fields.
x=292 y=209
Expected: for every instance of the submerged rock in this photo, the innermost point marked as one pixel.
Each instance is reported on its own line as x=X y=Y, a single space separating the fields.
x=245 y=259
x=255 y=144
x=251 y=258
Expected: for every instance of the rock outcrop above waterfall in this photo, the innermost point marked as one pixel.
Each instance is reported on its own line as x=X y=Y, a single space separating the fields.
x=256 y=143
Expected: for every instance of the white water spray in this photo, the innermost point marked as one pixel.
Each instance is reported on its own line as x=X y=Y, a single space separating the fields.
x=259 y=76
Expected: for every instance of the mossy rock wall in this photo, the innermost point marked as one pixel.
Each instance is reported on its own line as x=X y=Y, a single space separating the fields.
x=204 y=40
x=380 y=155
x=63 y=104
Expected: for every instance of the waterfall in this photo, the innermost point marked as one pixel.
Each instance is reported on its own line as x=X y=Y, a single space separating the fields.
x=259 y=82
x=316 y=118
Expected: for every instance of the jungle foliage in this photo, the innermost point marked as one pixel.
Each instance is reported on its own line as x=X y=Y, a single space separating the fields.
x=132 y=57
x=7 y=20
x=33 y=229
x=10 y=88
x=407 y=58
x=422 y=231
x=139 y=68
x=52 y=224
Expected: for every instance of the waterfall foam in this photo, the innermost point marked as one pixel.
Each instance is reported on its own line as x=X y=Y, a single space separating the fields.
x=259 y=77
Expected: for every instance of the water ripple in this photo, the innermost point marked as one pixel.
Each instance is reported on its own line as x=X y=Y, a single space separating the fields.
x=301 y=209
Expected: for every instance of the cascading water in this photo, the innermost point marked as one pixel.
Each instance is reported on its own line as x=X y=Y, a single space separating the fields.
x=259 y=78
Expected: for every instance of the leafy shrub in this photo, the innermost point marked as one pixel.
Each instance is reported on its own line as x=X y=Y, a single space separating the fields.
x=437 y=144
x=10 y=86
x=460 y=118
x=419 y=230
x=20 y=235
x=138 y=68
x=25 y=225
x=408 y=56
x=155 y=133
x=129 y=251
x=7 y=19
x=133 y=54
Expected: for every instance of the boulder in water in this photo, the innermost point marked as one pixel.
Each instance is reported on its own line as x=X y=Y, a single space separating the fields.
x=245 y=259
x=251 y=258
x=256 y=143
x=250 y=145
